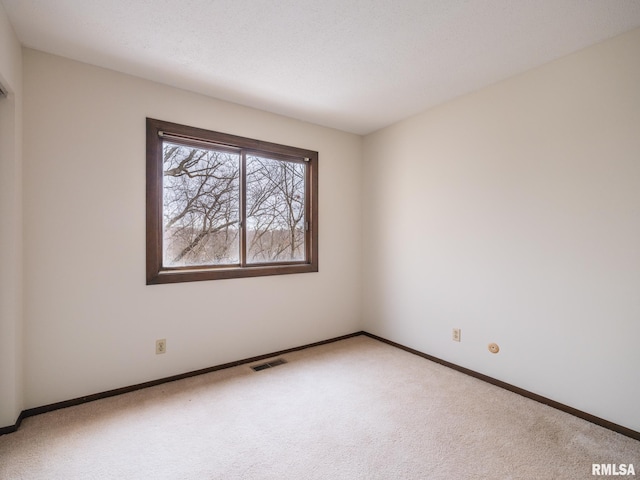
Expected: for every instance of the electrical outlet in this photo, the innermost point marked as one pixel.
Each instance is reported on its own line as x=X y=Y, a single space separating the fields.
x=161 y=346
x=456 y=335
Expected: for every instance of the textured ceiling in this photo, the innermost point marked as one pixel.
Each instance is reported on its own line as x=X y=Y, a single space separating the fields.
x=355 y=65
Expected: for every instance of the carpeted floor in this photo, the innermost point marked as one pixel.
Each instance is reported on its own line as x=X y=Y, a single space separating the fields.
x=354 y=409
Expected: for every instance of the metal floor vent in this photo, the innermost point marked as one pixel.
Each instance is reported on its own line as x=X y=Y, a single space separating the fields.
x=272 y=363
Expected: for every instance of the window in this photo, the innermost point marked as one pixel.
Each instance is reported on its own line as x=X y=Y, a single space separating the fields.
x=222 y=206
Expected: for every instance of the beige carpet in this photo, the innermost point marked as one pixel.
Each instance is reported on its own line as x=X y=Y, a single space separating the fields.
x=354 y=409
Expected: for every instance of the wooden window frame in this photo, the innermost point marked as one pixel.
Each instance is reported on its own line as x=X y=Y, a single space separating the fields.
x=159 y=274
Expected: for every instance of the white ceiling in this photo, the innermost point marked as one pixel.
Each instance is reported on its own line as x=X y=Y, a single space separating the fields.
x=355 y=65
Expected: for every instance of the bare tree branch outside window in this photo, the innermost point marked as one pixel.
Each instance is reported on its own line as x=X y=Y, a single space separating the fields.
x=275 y=210
x=201 y=206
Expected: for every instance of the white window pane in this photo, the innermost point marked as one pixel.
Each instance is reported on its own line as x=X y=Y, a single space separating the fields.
x=275 y=210
x=200 y=206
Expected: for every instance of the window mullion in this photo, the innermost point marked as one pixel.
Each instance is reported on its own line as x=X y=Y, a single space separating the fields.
x=243 y=208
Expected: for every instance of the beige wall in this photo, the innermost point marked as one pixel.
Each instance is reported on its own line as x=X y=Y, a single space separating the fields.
x=91 y=322
x=11 y=400
x=513 y=213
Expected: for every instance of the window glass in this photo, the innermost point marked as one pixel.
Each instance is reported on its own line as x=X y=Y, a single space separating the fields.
x=275 y=210
x=201 y=216
x=222 y=206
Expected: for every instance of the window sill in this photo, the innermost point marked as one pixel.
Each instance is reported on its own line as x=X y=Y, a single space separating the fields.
x=201 y=274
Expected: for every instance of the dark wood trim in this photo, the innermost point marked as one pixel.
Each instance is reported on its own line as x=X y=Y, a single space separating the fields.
x=233 y=141
x=15 y=426
x=176 y=276
x=243 y=209
x=155 y=272
x=499 y=383
x=153 y=205
x=119 y=391
x=520 y=391
x=312 y=211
